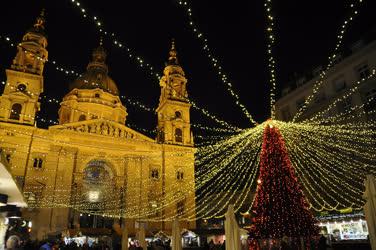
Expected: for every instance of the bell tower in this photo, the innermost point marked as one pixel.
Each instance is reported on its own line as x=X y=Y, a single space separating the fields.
x=19 y=101
x=173 y=111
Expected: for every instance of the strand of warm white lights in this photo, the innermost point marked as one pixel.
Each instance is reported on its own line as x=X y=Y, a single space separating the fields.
x=270 y=51
x=343 y=134
x=133 y=102
x=245 y=162
x=214 y=61
x=59 y=68
x=329 y=182
x=141 y=61
x=308 y=143
x=47 y=138
x=308 y=183
x=332 y=57
x=205 y=203
x=332 y=207
x=342 y=149
x=352 y=114
x=199 y=126
x=215 y=167
x=326 y=185
x=354 y=88
x=136 y=103
x=115 y=41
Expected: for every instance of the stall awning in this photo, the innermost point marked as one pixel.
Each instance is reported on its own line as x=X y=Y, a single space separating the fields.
x=8 y=185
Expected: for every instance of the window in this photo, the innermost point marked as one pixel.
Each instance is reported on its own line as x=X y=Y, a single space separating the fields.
x=178 y=135
x=346 y=104
x=301 y=81
x=286 y=115
x=82 y=118
x=319 y=97
x=300 y=103
x=96 y=95
x=180 y=207
x=177 y=114
x=38 y=163
x=15 y=111
x=339 y=84
x=21 y=87
x=370 y=100
x=179 y=175
x=154 y=174
x=363 y=71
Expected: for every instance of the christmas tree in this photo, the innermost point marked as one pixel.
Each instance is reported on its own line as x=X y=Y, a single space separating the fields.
x=280 y=208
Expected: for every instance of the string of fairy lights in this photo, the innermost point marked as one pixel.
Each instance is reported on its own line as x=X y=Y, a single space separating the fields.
x=354 y=11
x=127 y=99
x=327 y=159
x=270 y=52
x=212 y=58
x=331 y=154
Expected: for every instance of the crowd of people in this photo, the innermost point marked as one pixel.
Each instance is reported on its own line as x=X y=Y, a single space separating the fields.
x=54 y=245
x=286 y=243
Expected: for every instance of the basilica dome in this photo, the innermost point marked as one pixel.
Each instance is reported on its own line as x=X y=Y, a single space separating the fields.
x=96 y=75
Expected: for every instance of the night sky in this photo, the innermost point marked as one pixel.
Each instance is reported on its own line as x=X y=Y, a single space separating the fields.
x=305 y=35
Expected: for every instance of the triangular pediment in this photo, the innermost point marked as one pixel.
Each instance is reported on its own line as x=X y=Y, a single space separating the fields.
x=104 y=128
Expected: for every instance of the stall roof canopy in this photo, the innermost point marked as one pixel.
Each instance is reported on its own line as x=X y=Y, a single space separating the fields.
x=8 y=185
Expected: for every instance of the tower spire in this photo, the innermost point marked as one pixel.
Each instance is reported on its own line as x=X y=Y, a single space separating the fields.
x=99 y=58
x=172 y=59
x=173 y=110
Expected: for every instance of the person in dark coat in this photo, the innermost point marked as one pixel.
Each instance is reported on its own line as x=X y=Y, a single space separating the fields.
x=322 y=243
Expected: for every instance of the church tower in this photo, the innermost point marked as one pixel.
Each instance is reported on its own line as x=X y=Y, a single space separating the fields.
x=173 y=111
x=19 y=101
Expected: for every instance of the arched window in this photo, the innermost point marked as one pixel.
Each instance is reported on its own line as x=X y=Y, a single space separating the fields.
x=15 y=111
x=178 y=114
x=178 y=135
x=82 y=118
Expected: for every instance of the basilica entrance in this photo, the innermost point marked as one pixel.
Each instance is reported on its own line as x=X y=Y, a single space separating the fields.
x=96 y=195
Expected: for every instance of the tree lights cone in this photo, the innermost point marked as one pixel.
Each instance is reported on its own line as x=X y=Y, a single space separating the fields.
x=280 y=207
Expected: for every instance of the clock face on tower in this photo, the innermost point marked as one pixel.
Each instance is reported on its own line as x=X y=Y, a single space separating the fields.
x=21 y=87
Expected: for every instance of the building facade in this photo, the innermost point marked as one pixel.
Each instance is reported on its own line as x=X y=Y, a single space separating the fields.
x=351 y=81
x=351 y=66
x=91 y=164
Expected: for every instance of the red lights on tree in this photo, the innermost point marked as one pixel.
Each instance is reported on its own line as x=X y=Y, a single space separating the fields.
x=280 y=208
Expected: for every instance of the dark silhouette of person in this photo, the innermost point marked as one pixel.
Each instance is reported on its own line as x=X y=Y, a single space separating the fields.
x=322 y=243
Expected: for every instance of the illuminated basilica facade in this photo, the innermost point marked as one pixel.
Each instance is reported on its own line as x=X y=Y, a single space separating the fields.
x=91 y=163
